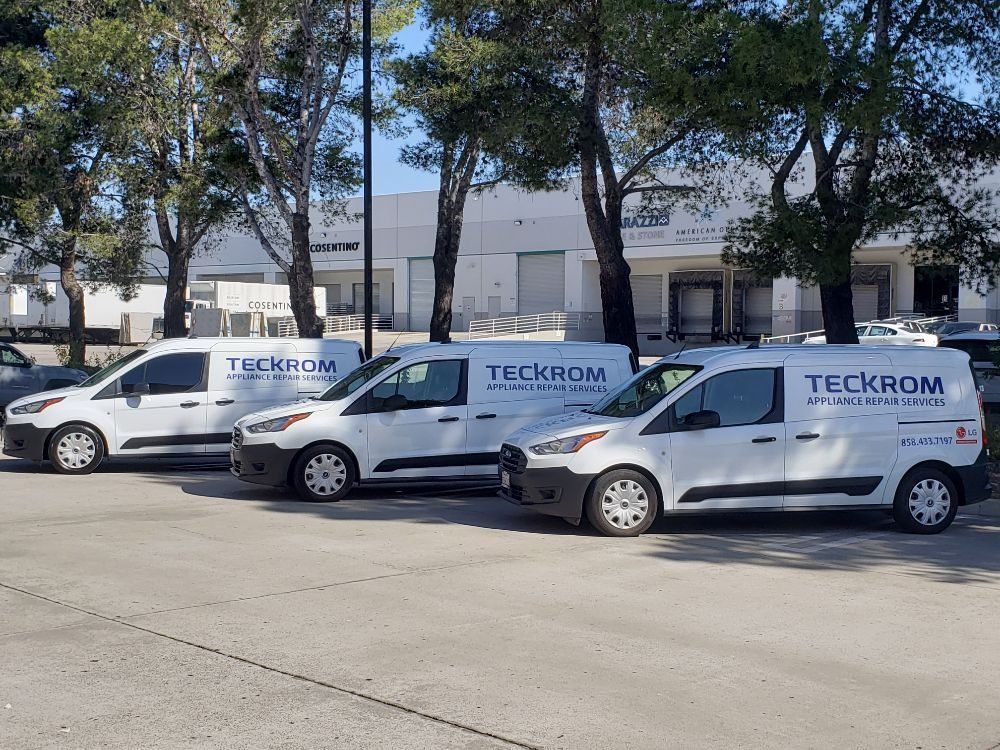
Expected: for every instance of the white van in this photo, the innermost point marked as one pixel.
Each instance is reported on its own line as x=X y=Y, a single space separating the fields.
x=775 y=428
x=427 y=411
x=174 y=397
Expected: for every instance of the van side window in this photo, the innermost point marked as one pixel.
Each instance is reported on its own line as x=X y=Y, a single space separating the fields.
x=171 y=373
x=422 y=385
x=740 y=397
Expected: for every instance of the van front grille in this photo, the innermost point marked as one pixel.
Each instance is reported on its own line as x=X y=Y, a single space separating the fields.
x=512 y=459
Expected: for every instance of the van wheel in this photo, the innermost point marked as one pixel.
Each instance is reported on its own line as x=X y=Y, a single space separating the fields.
x=622 y=503
x=926 y=502
x=323 y=474
x=76 y=449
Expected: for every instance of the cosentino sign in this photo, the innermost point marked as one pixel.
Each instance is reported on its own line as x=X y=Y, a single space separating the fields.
x=333 y=247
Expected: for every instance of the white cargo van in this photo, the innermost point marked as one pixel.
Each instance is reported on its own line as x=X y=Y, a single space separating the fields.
x=173 y=397
x=427 y=411
x=775 y=428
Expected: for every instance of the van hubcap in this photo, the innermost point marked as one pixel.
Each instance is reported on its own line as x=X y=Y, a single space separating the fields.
x=325 y=474
x=930 y=502
x=76 y=450
x=625 y=504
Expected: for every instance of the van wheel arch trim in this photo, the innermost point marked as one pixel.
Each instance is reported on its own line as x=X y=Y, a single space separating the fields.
x=632 y=467
x=77 y=423
x=332 y=443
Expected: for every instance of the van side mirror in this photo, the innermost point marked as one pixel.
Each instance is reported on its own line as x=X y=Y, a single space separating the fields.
x=395 y=402
x=702 y=420
x=140 y=389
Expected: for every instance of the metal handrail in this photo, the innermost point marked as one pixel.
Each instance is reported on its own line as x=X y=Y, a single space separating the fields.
x=287 y=327
x=495 y=327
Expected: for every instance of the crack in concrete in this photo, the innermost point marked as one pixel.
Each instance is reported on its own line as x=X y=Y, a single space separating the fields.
x=385 y=702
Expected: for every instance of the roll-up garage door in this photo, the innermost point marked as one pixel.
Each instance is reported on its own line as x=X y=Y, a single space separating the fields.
x=647 y=299
x=696 y=310
x=421 y=294
x=865 y=302
x=757 y=310
x=541 y=283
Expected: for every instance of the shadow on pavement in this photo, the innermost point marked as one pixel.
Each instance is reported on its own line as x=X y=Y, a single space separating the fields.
x=968 y=552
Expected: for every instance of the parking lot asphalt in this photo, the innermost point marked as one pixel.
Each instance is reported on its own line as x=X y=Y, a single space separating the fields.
x=158 y=606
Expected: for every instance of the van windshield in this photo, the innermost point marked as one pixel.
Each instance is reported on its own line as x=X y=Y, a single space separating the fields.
x=646 y=389
x=113 y=369
x=357 y=378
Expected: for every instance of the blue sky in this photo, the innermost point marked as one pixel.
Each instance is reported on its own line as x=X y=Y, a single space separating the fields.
x=389 y=176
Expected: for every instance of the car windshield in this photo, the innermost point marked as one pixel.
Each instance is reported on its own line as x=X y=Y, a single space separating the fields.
x=646 y=389
x=113 y=369
x=356 y=378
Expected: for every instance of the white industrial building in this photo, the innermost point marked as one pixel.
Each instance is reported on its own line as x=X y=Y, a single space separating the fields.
x=524 y=253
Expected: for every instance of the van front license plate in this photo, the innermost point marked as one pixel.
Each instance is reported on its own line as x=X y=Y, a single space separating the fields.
x=505 y=479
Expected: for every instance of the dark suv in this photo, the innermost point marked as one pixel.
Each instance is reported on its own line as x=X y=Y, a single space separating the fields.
x=19 y=376
x=983 y=348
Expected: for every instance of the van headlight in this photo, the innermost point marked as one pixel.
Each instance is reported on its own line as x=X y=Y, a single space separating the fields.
x=277 y=424
x=35 y=406
x=566 y=445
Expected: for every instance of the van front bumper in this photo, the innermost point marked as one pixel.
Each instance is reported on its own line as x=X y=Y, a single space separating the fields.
x=552 y=491
x=265 y=463
x=25 y=441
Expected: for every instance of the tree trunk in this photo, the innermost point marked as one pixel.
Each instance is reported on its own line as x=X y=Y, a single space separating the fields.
x=300 y=281
x=446 y=242
x=77 y=314
x=838 y=310
x=174 y=301
x=604 y=222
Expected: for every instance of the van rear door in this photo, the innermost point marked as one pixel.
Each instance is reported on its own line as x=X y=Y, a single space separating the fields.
x=841 y=432
x=509 y=387
x=243 y=378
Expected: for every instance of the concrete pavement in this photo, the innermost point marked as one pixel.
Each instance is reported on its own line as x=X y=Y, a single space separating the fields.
x=149 y=606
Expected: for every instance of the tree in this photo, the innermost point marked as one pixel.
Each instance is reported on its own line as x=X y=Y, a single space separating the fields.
x=283 y=68
x=479 y=96
x=183 y=152
x=889 y=109
x=61 y=127
x=629 y=75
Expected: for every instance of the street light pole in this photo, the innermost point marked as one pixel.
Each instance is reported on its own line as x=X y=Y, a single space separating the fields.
x=366 y=116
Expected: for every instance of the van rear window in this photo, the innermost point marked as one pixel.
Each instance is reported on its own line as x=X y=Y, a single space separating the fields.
x=643 y=391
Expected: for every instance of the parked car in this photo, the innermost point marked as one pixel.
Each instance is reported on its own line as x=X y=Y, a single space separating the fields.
x=876 y=333
x=782 y=428
x=174 y=397
x=983 y=348
x=20 y=376
x=949 y=327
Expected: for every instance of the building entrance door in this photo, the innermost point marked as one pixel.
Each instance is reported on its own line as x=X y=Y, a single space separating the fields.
x=935 y=290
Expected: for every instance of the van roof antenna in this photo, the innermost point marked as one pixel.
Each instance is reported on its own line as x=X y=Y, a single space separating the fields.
x=394 y=341
x=754 y=344
x=681 y=350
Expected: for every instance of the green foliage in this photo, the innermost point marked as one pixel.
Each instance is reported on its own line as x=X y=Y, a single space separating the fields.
x=867 y=120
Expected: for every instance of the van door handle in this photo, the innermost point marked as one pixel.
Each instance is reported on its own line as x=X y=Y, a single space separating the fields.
x=807 y=436
x=188 y=404
x=486 y=416
x=764 y=440
x=225 y=401
x=448 y=419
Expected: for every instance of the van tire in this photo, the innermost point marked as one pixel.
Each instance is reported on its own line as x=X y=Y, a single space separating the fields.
x=323 y=474
x=926 y=501
x=76 y=449
x=614 y=499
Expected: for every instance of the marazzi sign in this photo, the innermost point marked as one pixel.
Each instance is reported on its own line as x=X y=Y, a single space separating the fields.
x=333 y=247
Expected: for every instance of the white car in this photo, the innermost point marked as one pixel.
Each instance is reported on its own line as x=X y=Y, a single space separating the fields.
x=887 y=333
x=780 y=428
